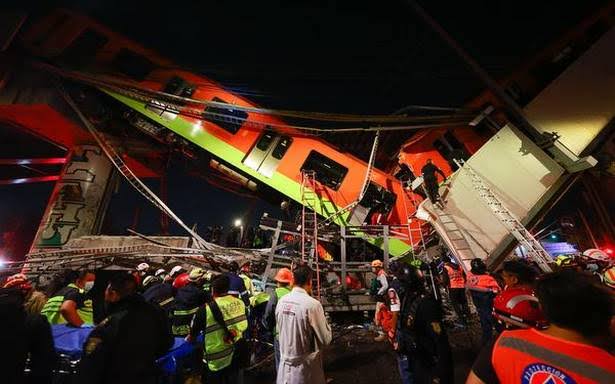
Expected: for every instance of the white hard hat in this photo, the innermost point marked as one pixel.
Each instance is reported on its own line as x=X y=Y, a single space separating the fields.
x=160 y=272
x=176 y=270
x=149 y=280
x=597 y=254
x=142 y=267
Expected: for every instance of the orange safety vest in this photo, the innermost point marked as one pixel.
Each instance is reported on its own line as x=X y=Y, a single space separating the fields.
x=483 y=283
x=455 y=277
x=528 y=356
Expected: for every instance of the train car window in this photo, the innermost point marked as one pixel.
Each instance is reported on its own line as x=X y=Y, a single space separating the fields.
x=226 y=118
x=265 y=141
x=328 y=172
x=82 y=51
x=378 y=199
x=179 y=87
x=133 y=65
x=281 y=147
x=452 y=141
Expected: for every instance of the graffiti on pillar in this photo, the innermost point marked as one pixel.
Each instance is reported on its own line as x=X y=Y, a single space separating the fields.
x=76 y=199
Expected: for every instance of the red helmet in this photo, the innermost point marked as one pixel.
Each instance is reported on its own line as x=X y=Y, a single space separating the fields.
x=284 y=275
x=518 y=307
x=181 y=280
x=18 y=281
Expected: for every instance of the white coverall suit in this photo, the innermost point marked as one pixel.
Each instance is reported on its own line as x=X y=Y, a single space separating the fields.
x=303 y=331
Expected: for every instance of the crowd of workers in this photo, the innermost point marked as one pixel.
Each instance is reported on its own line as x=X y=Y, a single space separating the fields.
x=535 y=328
x=557 y=326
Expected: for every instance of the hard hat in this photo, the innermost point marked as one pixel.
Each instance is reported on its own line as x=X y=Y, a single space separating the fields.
x=18 y=280
x=377 y=263
x=478 y=266
x=284 y=275
x=609 y=277
x=597 y=254
x=150 y=280
x=519 y=307
x=142 y=267
x=181 y=281
x=245 y=267
x=563 y=260
x=196 y=274
x=176 y=270
x=160 y=272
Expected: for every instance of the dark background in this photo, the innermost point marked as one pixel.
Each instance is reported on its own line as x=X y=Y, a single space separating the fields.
x=340 y=56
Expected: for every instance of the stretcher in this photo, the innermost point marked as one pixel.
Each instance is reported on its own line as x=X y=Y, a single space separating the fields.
x=69 y=345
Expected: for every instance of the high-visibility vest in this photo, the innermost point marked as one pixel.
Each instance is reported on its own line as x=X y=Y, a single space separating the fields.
x=259 y=298
x=482 y=283
x=529 y=356
x=51 y=310
x=455 y=277
x=218 y=353
x=181 y=321
x=280 y=292
x=247 y=281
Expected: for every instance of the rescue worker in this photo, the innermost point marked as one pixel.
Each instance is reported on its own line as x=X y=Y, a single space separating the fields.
x=71 y=304
x=159 y=293
x=405 y=174
x=187 y=302
x=483 y=288
x=176 y=271
x=455 y=280
x=223 y=320
x=608 y=277
x=303 y=332
x=164 y=276
x=516 y=273
x=430 y=179
x=421 y=342
x=380 y=288
x=237 y=286
x=181 y=281
x=25 y=335
x=284 y=279
x=142 y=270
x=517 y=308
x=124 y=347
x=247 y=280
x=568 y=351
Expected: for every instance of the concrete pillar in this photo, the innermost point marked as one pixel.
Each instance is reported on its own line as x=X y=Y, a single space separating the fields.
x=79 y=200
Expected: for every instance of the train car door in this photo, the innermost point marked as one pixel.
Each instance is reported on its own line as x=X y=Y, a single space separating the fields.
x=265 y=156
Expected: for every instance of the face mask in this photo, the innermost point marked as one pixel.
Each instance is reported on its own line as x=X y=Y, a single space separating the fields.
x=88 y=286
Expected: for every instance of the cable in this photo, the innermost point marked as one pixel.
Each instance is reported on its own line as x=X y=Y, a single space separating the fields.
x=107 y=81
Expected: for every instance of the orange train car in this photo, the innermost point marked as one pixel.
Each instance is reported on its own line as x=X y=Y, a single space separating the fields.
x=273 y=154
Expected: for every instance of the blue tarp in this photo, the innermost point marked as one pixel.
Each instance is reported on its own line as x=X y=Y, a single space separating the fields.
x=69 y=341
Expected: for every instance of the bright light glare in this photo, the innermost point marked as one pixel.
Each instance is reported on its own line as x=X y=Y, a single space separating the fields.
x=238 y=222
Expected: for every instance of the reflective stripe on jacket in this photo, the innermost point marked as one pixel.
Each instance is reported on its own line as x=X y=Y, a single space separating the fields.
x=219 y=353
x=530 y=356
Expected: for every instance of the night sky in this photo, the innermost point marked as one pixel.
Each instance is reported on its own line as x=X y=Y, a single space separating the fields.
x=340 y=56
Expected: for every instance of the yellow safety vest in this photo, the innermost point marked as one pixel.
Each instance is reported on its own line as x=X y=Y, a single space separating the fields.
x=51 y=310
x=280 y=292
x=247 y=281
x=219 y=354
